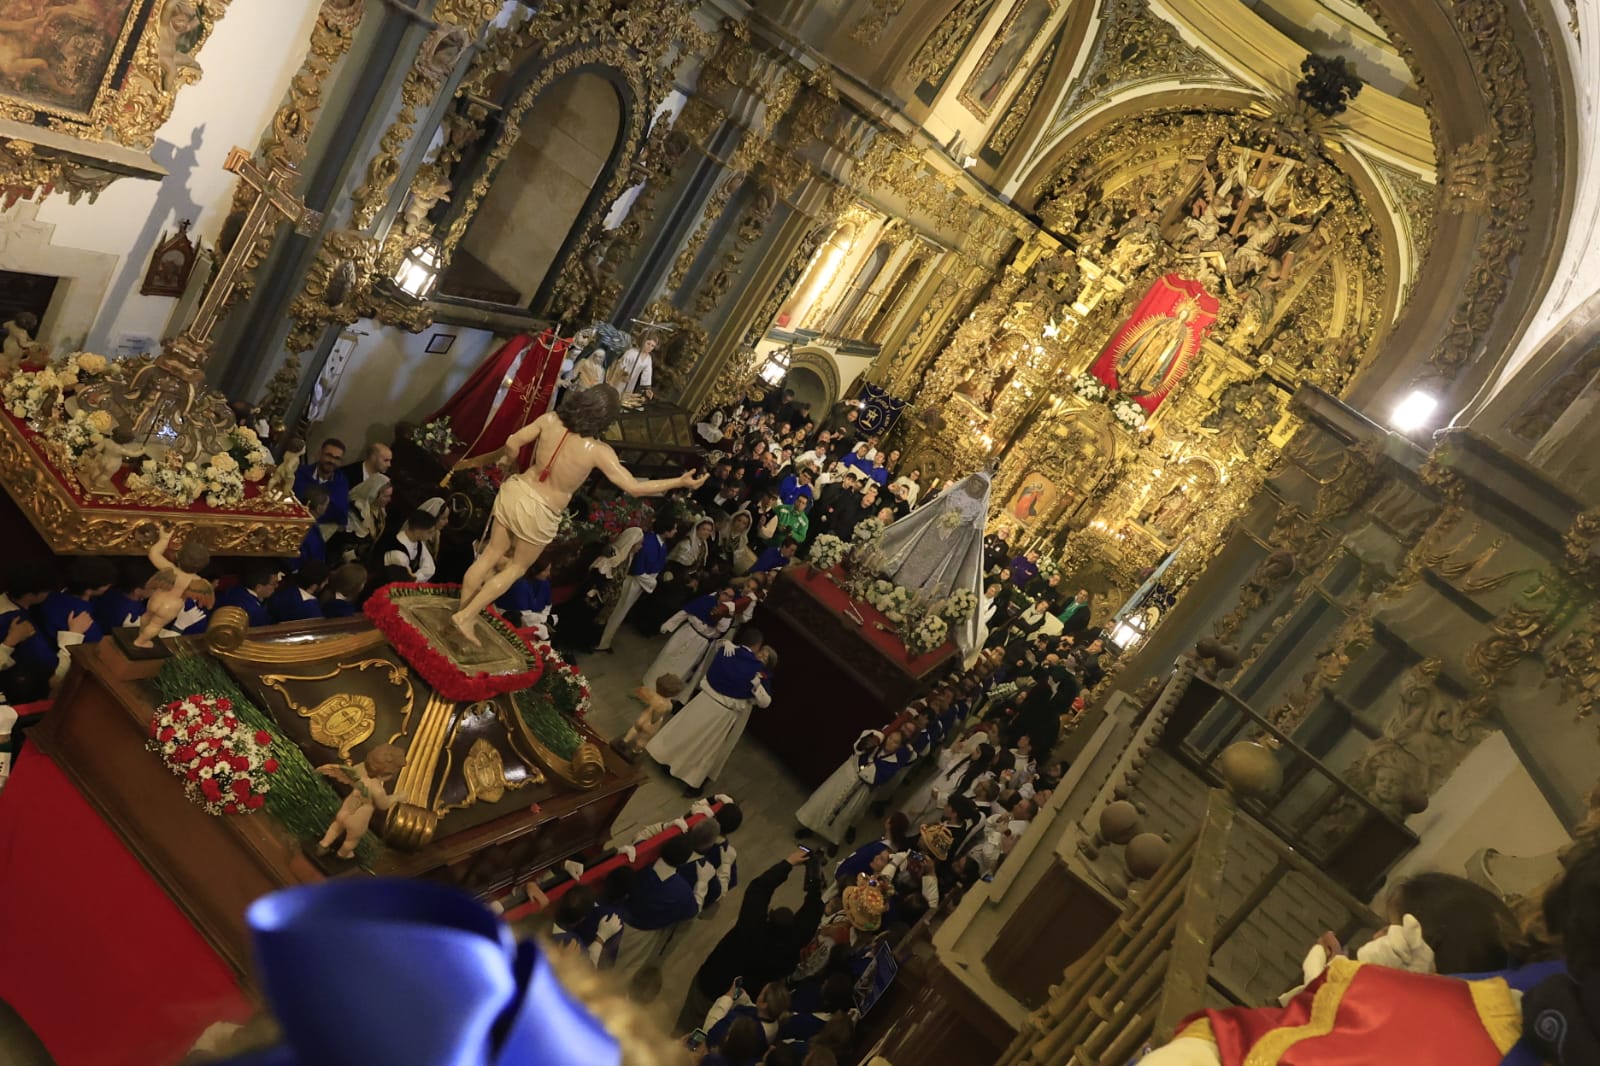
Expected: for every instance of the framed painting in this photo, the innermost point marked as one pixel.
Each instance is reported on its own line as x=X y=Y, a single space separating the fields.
x=101 y=73
x=59 y=58
x=1035 y=496
x=1003 y=59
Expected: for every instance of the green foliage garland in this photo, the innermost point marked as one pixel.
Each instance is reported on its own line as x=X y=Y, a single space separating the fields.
x=301 y=799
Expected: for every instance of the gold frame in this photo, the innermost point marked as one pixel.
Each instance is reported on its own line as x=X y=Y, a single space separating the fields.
x=140 y=16
x=134 y=99
x=71 y=528
x=969 y=101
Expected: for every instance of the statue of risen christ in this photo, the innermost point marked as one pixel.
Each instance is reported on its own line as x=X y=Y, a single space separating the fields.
x=528 y=507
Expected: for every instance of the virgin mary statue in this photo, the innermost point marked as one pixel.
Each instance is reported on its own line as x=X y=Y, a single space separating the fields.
x=1152 y=349
x=938 y=548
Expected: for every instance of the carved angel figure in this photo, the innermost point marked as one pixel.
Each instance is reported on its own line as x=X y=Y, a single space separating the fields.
x=104 y=461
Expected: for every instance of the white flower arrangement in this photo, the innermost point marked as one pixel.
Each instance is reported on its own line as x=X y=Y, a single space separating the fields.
x=79 y=365
x=249 y=453
x=1128 y=414
x=827 y=552
x=891 y=599
x=867 y=531
x=1048 y=568
x=1090 y=388
x=929 y=633
x=436 y=437
x=958 y=607
x=223 y=481
x=28 y=394
x=170 y=477
x=82 y=431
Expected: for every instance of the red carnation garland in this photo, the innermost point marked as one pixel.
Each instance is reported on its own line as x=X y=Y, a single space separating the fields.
x=225 y=767
x=438 y=669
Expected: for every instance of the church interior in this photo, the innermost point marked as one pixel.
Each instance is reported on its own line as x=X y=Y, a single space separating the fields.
x=1272 y=325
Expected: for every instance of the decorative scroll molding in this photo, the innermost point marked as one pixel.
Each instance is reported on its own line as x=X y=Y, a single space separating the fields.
x=1133 y=47
x=1005 y=132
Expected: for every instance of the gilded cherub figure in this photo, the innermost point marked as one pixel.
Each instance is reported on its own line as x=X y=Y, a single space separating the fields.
x=368 y=793
x=170 y=585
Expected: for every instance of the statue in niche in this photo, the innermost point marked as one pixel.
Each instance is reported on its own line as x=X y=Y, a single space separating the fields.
x=1059 y=273
x=1152 y=349
x=1167 y=513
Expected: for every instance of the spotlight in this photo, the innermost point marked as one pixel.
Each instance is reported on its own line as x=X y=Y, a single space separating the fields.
x=1414 y=412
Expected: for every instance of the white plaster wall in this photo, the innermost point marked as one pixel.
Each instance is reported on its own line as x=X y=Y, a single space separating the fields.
x=248 y=61
x=391 y=378
x=1489 y=802
x=1578 y=276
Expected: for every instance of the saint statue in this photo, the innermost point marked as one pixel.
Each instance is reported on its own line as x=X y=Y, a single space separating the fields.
x=1153 y=349
x=527 y=510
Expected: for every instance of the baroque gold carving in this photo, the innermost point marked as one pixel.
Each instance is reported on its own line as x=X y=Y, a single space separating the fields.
x=69 y=528
x=944 y=45
x=1006 y=130
x=126 y=114
x=876 y=19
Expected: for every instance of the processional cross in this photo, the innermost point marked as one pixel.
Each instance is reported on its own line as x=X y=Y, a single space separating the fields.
x=168 y=401
x=273 y=202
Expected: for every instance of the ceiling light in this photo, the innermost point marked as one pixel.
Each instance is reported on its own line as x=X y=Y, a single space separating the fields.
x=1414 y=412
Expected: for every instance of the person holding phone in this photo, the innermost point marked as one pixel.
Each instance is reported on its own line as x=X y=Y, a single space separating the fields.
x=765 y=942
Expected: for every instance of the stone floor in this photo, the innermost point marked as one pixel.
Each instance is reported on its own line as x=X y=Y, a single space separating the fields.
x=764 y=790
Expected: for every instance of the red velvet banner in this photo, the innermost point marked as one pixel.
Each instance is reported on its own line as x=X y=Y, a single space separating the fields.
x=473 y=416
x=1152 y=351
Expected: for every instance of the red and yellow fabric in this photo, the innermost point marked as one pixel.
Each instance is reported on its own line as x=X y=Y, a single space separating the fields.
x=1356 y=1015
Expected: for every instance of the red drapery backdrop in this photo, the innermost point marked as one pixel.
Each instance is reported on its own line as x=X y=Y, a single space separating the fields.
x=1158 y=341
x=527 y=398
x=96 y=958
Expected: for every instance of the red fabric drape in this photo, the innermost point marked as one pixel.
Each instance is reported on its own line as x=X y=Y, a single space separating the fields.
x=87 y=933
x=526 y=399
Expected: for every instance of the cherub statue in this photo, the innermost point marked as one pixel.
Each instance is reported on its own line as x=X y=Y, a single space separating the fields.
x=101 y=463
x=367 y=794
x=18 y=347
x=281 y=484
x=170 y=585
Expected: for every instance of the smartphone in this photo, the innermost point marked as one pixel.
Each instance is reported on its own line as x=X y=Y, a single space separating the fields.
x=803 y=848
x=696 y=1040
x=738 y=985
x=916 y=855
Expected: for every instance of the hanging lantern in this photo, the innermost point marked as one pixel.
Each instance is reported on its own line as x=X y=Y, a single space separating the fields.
x=419 y=271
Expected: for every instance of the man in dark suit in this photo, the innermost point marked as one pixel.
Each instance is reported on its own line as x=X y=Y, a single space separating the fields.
x=375 y=460
x=838 y=509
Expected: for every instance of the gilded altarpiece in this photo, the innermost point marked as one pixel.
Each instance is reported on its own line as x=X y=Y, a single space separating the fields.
x=1251 y=213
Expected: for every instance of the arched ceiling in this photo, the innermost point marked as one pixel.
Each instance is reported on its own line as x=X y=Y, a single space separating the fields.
x=1458 y=141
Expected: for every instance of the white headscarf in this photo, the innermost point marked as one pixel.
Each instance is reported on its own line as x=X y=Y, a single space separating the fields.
x=691 y=549
x=623 y=545
x=364 y=523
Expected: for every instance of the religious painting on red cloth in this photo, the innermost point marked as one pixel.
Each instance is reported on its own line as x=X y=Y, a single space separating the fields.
x=1152 y=351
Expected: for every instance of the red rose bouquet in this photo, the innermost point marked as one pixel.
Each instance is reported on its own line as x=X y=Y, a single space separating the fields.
x=225 y=766
x=564 y=683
